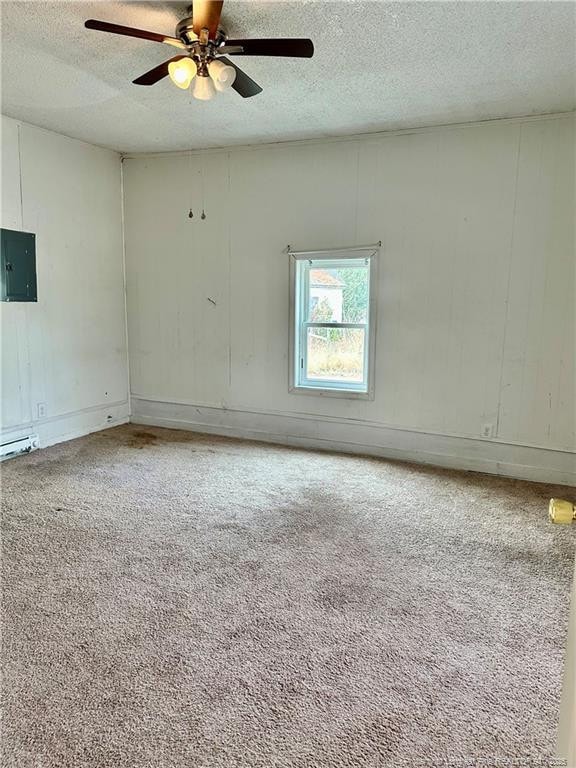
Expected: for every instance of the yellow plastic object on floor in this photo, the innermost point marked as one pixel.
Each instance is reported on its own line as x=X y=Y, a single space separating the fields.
x=561 y=511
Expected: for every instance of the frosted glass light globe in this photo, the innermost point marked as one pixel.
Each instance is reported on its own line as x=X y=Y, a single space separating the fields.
x=222 y=74
x=182 y=72
x=203 y=88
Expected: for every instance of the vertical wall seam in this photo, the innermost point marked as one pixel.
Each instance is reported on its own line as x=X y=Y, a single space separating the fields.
x=229 y=274
x=357 y=192
x=508 y=283
x=26 y=404
x=18 y=131
x=125 y=287
x=18 y=361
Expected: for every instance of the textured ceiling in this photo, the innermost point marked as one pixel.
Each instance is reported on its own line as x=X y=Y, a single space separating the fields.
x=378 y=66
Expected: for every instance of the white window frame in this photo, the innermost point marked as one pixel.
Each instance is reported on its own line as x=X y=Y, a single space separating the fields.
x=298 y=328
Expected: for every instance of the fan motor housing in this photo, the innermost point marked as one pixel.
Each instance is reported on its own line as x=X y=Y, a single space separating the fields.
x=185 y=30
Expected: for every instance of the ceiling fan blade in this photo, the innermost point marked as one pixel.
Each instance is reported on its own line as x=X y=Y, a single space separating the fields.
x=206 y=15
x=156 y=74
x=230 y=49
x=116 y=29
x=282 y=46
x=243 y=84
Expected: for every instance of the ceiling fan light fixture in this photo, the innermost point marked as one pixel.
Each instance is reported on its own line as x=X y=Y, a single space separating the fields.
x=182 y=72
x=203 y=88
x=223 y=75
x=200 y=38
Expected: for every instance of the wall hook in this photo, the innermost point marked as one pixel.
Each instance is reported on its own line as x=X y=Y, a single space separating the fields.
x=190 y=214
x=203 y=215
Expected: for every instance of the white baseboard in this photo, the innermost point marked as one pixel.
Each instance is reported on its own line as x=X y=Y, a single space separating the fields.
x=479 y=455
x=67 y=426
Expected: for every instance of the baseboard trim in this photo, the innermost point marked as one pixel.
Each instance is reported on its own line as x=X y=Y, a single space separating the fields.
x=492 y=457
x=68 y=426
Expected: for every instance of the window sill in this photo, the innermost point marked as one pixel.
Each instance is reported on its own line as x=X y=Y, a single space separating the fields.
x=347 y=394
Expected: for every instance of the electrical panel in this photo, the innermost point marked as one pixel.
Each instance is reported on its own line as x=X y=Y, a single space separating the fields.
x=18 y=266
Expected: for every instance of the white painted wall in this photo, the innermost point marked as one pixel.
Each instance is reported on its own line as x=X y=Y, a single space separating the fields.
x=476 y=291
x=68 y=350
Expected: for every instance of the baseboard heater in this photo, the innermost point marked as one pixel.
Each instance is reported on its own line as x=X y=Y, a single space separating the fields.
x=22 y=445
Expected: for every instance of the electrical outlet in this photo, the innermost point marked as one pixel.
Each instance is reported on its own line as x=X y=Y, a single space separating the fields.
x=487 y=430
x=41 y=409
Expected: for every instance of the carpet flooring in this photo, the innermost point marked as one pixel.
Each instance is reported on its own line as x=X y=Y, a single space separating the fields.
x=173 y=600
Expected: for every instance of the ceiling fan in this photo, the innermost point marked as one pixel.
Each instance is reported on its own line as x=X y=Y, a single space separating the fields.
x=204 y=44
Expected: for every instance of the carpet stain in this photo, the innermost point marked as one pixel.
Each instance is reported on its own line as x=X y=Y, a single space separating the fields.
x=141 y=439
x=173 y=600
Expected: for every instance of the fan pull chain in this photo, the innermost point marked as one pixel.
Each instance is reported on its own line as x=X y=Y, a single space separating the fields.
x=190 y=212
x=201 y=171
x=203 y=214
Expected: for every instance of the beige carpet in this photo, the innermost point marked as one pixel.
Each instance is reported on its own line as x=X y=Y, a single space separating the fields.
x=174 y=600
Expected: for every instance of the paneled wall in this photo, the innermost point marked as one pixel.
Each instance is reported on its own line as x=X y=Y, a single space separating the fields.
x=64 y=358
x=475 y=295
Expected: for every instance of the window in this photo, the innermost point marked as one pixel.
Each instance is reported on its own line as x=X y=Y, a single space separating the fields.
x=333 y=322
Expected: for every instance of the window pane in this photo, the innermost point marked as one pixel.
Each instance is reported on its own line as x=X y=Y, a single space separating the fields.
x=338 y=294
x=335 y=354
